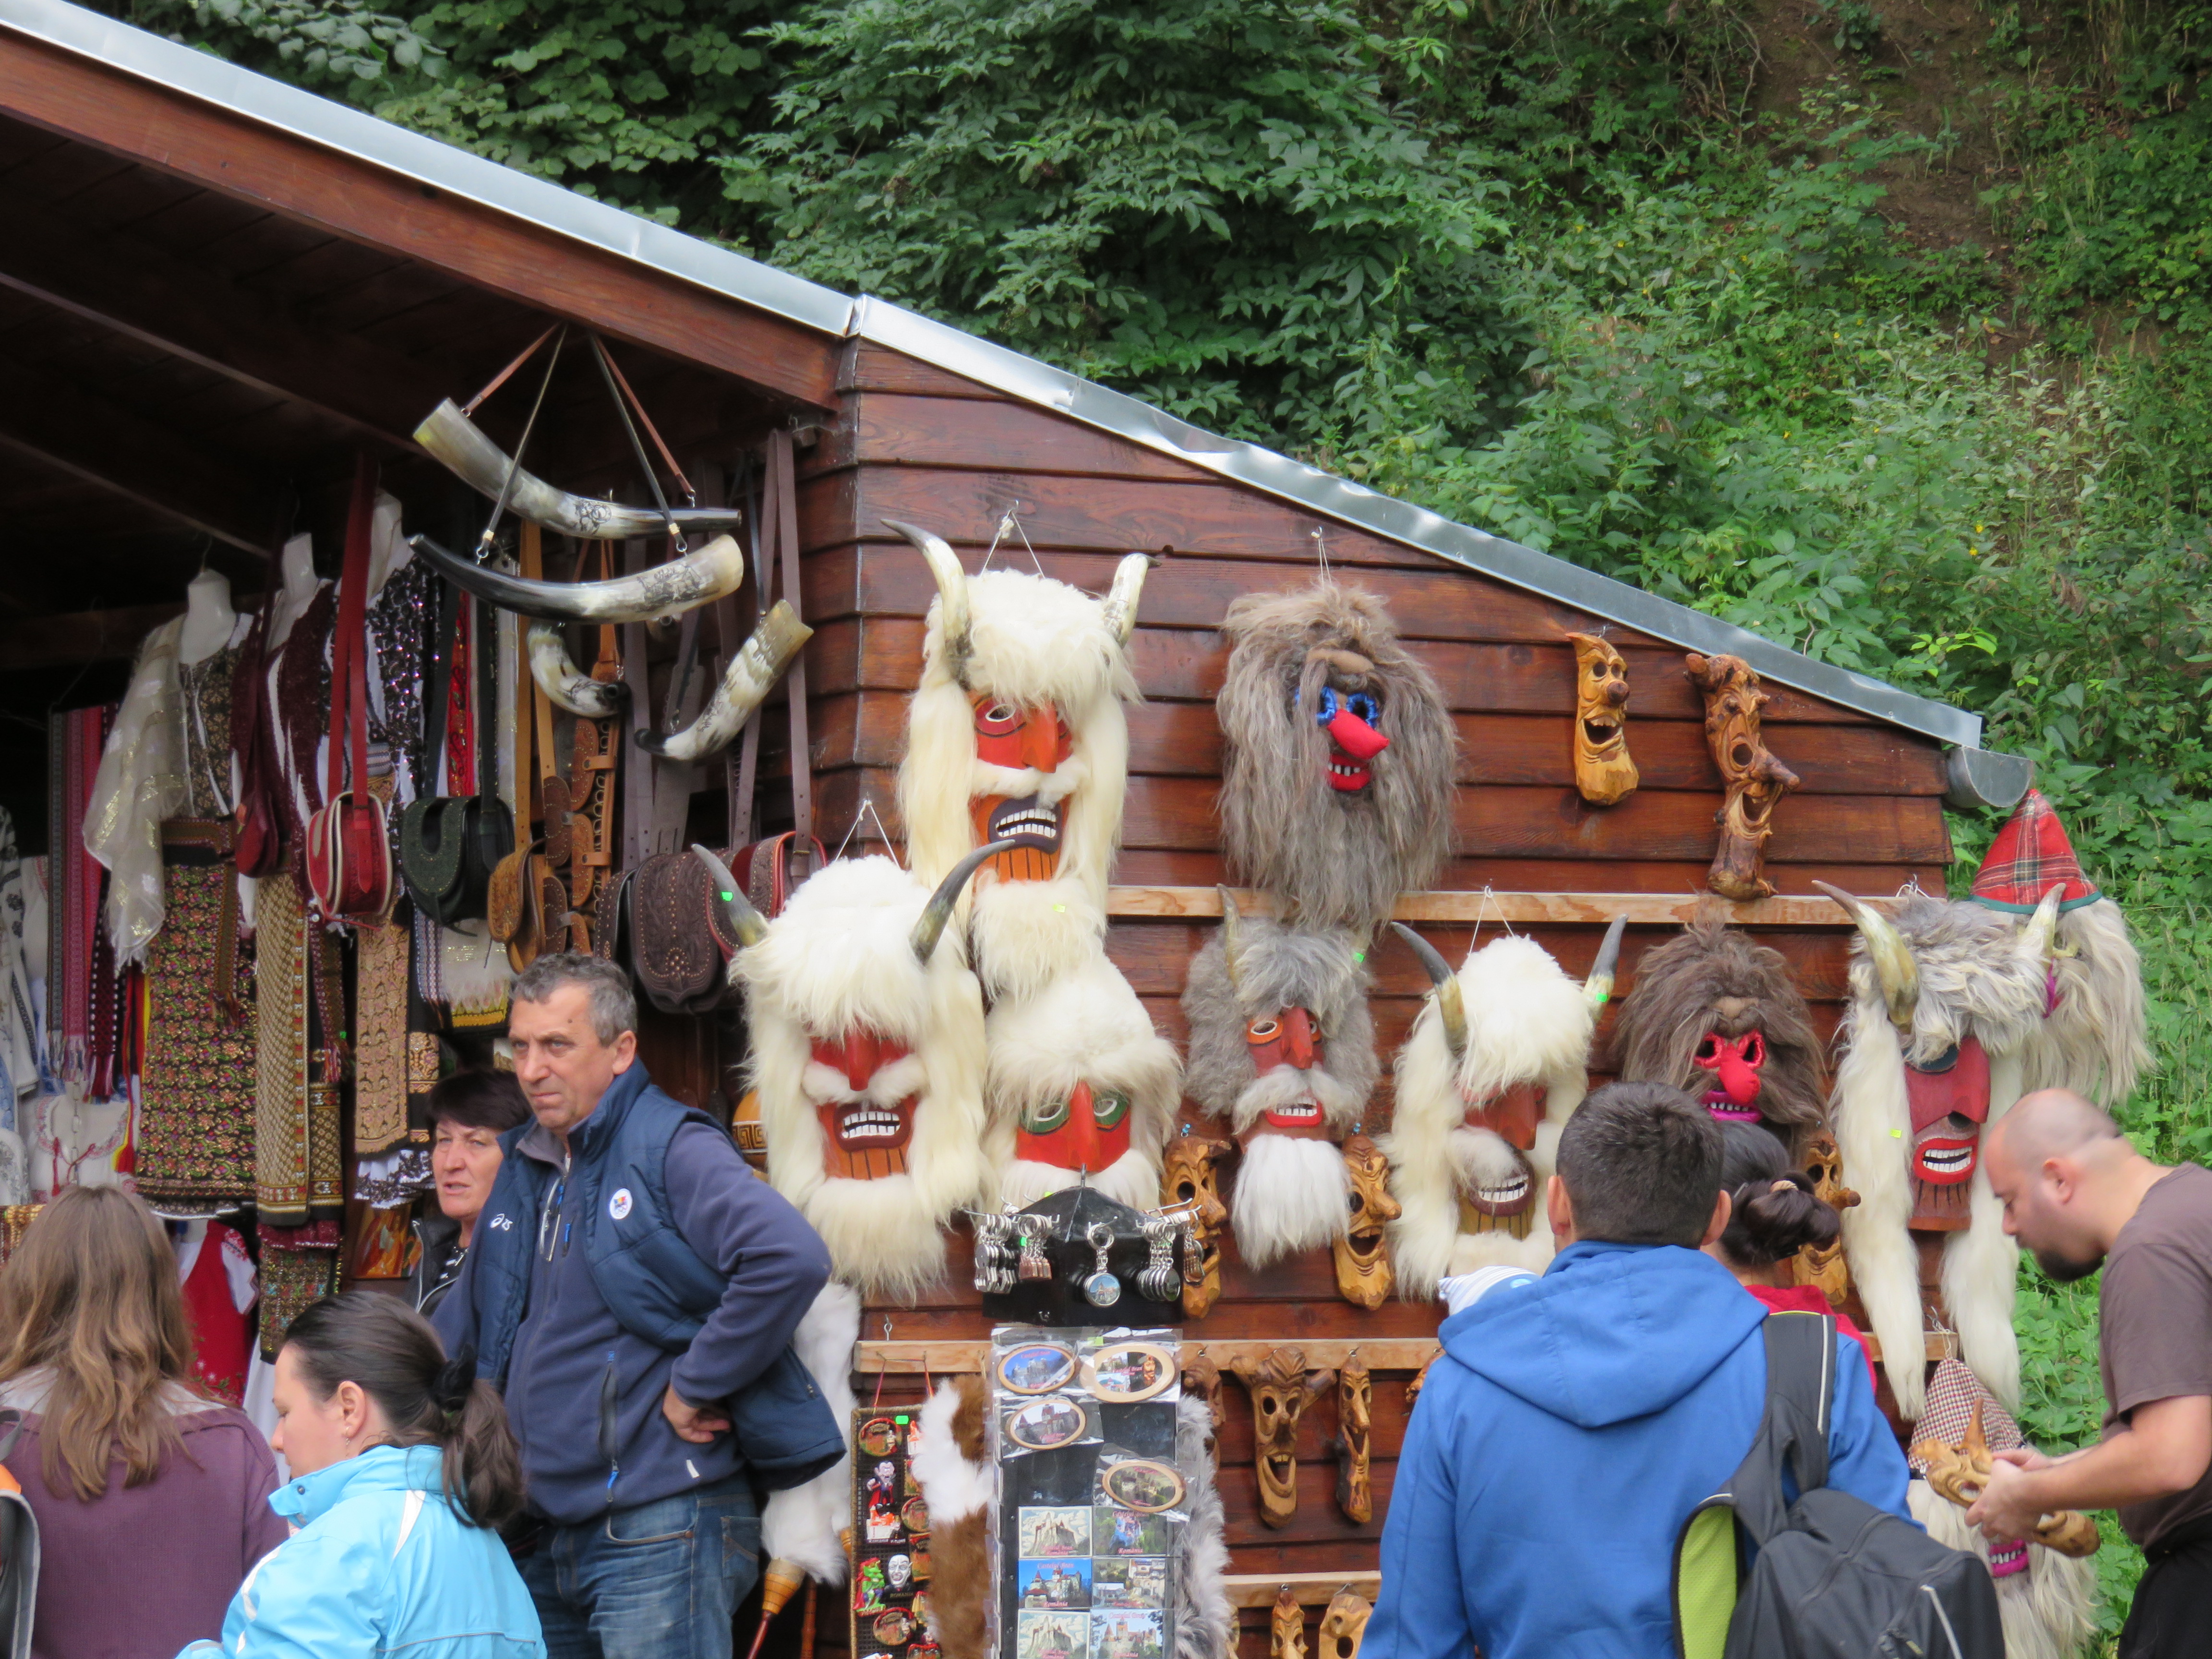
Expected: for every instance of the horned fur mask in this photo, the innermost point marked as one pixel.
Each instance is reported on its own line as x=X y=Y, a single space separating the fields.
x=868 y=1052
x=1079 y=1087
x=1282 y=1048
x=1721 y=1018
x=1945 y=997
x=1340 y=757
x=1017 y=732
x=1495 y=1065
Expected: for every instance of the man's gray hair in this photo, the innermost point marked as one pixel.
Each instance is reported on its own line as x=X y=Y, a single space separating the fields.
x=614 y=1005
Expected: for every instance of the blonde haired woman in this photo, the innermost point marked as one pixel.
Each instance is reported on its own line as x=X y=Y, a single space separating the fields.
x=152 y=1499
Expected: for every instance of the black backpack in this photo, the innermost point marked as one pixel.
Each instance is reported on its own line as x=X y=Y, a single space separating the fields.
x=1833 y=1577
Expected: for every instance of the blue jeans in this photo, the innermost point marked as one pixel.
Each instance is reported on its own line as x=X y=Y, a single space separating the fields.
x=661 y=1581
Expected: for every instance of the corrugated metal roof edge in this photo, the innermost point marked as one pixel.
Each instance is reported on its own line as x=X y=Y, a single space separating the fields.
x=430 y=161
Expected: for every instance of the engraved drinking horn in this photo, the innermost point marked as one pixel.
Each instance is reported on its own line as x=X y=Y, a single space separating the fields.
x=1598 y=987
x=939 y=910
x=747 y=923
x=452 y=439
x=567 y=686
x=956 y=619
x=759 y=663
x=1451 y=1007
x=713 y=572
x=1120 y=600
x=1232 y=926
x=1893 y=966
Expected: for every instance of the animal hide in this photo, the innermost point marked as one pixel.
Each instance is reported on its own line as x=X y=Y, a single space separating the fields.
x=838 y=962
x=1697 y=998
x=1292 y=1194
x=802 y=1524
x=2093 y=1042
x=1295 y=822
x=2046 y=1610
x=1206 y=1625
x=958 y=1483
x=1529 y=1023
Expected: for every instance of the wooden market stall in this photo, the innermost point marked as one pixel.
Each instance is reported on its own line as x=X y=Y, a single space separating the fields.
x=218 y=291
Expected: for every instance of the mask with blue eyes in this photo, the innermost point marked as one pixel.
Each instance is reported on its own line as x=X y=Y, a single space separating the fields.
x=1353 y=721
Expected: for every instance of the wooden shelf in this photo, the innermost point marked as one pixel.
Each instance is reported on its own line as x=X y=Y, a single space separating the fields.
x=1260 y=1589
x=1596 y=909
x=954 y=1358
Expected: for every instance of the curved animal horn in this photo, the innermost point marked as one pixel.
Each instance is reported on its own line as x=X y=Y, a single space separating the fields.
x=1232 y=928
x=567 y=686
x=1451 y=1005
x=939 y=910
x=713 y=572
x=747 y=923
x=751 y=675
x=1598 y=987
x=1121 y=601
x=1886 y=948
x=955 y=615
x=452 y=439
x=2042 y=927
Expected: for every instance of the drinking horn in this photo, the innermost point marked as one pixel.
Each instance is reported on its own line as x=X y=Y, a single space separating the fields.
x=666 y=591
x=760 y=662
x=454 y=439
x=567 y=686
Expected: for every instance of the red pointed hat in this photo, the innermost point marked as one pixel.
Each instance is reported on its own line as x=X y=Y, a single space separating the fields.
x=2030 y=856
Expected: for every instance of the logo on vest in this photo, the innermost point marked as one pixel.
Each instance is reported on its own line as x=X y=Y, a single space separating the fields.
x=618 y=1205
x=502 y=1223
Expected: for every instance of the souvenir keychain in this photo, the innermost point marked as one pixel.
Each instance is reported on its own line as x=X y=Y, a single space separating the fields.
x=1102 y=1289
x=1034 y=1264
x=1159 y=1281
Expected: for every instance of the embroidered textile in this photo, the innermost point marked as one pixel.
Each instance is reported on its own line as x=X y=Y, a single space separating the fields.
x=217 y=1279
x=140 y=782
x=279 y=1123
x=14 y=1221
x=292 y=1281
x=399 y=623
x=379 y=1094
x=74 y=746
x=18 y=1056
x=203 y=689
x=299 y=712
x=196 y=1140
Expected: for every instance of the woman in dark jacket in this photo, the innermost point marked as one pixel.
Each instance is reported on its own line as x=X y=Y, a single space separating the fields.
x=469 y=1112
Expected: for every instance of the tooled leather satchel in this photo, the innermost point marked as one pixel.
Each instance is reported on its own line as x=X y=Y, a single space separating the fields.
x=678 y=951
x=349 y=848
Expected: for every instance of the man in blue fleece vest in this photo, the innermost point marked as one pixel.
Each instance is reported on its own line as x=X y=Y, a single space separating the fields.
x=1573 y=1422
x=628 y=1276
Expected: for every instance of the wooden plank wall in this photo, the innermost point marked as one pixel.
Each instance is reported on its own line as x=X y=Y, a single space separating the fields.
x=915 y=443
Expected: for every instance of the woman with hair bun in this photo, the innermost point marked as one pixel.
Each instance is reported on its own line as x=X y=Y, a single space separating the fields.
x=1773 y=1213
x=403 y=1469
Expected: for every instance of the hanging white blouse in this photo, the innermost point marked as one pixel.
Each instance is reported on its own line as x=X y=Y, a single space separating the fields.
x=140 y=782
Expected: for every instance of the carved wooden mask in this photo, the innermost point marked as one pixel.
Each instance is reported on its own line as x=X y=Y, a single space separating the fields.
x=1754 y=779
x=1286 y=1630
x=1363 y=1257
x=1355 y=1417
x=1604 y=773
x=1343 y=1625
x=1825 y=1269
x=1281 y=1389
x=1201 y=1378
x=1959 y=1473
x=1187 y=1184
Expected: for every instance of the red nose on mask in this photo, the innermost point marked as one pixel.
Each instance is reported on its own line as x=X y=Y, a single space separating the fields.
x=1356 y=737
x=1737 y=1061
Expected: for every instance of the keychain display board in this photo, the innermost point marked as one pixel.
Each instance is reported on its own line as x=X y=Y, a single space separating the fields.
x=1091 y=1508
x=889 y=1590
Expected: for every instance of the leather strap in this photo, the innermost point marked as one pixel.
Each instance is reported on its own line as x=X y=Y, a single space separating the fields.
x=501 y=379
x=778 y=566
x=349 y=670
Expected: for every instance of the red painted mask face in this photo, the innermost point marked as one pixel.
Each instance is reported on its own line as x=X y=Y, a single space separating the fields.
x=1510 y=1203
x=1022 y=740
x=1734 y=1063
x=1351 y=719
x=1511 y=1114
x=1291 y=1037
x=863 y=1139
x=1949 y=1101
x=1088 y=1129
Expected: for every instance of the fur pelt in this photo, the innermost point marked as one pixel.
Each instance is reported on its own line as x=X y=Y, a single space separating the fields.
x=1977 y=978
x=2044 y=1610
x=802 y=1523
x=1710 y=977
x=953 y=1470
x=1034 y=641
x=1292 y=1194
x=1085 y=1026
x=1206 y=1625
x=1279 y=966
x=1335 y=859
x=1526 y=1021
x=2094 y=1041
x=838 y=957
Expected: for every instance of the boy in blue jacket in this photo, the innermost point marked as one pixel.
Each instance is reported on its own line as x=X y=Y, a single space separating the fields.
x=1573 y=1422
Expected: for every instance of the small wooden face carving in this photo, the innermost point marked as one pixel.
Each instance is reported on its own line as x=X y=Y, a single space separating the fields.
x=1287 y=1627
x=1343 y=1625
x=1355 y=1400
x=1754 y=779
x=1825 y=1269
x=1188 y=1183
x=1604 y=773
x=1959 y=1473
x=1363 y=1256
x=1201 y=1378
x=1281 y=1389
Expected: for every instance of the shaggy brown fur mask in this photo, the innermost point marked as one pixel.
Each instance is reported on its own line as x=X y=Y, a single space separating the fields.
x=1333 y=833
x=1715 y=1014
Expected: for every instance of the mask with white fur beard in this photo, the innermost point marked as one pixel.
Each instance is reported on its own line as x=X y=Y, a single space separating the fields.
x=1282 y=1047
x=1080 y=1083
x=1015 y=731
x=1476 y=1132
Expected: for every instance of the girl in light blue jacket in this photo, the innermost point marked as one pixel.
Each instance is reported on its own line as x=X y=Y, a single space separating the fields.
x=403 y=1468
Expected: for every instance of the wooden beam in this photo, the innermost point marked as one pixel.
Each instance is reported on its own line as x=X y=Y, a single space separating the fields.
x=82 y=636
x=1784 y=910
x=66 y=93
x=46 y=417
x=150 y=295
x=953 y=1358
x=1313 y=1589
